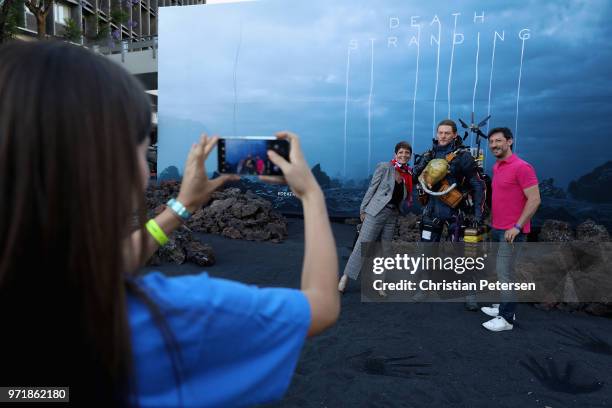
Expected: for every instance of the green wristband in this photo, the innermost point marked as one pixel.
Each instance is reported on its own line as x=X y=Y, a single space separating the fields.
x=156 y=232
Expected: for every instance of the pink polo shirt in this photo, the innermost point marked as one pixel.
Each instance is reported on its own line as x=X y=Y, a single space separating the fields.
x=510 y=177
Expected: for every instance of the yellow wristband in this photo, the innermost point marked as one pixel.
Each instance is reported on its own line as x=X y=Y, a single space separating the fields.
x=156 y=232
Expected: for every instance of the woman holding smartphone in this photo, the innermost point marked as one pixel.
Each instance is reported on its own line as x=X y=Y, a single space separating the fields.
x=73 y=139
x=390 y=187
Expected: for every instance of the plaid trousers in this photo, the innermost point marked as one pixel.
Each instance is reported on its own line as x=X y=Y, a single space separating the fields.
x=380 y=226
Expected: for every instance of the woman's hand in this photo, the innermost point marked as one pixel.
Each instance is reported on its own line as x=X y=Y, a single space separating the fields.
x=296 y=172
x=196 y=188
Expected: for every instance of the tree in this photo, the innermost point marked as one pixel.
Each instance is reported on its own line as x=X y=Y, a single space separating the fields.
x=6 y=19
x=72 y=32
x=103 y=29
x=40 y=9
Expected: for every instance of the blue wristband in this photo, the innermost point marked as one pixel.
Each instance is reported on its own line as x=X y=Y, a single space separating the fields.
x=179 y=209
x=518 y=227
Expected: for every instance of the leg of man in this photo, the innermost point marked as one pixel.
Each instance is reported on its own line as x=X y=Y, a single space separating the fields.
x=506 y=260
x=370 y=231
x=455 y=224
x=504 y=268
x=431 y=226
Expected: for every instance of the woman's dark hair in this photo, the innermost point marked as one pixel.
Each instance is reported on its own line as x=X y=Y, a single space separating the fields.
x=403 y=145
x=70 y=124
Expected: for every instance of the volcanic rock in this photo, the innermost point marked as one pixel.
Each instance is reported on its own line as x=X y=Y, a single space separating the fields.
x=199 y=253
x=589 y=231
x=548 y=189
x=321 y=177
x=238 y=215
x=592 y=186
x=556 y=231
x=159 y=194
x=407 y=229
x=170 y=173
x=183 y=247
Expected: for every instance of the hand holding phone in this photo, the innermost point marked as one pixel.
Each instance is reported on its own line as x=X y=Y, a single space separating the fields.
x=296 y=171
x=196 y=188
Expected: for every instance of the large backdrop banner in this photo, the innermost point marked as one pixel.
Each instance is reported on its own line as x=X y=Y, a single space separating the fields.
x=354 y=77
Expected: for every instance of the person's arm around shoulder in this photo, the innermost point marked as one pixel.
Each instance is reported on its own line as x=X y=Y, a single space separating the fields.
x=374 y=183
x=320 y=266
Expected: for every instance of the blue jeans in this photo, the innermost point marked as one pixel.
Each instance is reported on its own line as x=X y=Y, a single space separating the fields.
x=506 y=258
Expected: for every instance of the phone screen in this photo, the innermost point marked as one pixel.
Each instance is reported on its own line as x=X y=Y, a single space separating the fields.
x=248 y=155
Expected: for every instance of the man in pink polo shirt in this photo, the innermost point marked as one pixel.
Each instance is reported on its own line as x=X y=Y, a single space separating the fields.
x=516 y=198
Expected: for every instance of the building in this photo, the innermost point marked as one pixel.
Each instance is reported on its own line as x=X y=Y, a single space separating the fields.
x=103 y=22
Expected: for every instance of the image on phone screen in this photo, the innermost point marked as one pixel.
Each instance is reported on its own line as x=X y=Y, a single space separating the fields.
x=248 y=156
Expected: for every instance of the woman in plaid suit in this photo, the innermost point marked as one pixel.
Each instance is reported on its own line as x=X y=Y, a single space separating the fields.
x=390 y=186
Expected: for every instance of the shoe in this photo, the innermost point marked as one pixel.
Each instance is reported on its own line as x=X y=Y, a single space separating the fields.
x=342 y=283
x=494 y=312
x=490 y=311
x=497 y=324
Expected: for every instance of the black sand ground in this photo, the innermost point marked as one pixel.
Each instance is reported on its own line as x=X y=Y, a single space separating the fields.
x=426 y=354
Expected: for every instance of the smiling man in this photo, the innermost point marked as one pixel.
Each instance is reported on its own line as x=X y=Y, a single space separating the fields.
x=442 y=210
x=445 y=203
x=516 y=198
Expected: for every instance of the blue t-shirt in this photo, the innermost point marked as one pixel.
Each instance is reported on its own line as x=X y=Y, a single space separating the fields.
x=238 y=344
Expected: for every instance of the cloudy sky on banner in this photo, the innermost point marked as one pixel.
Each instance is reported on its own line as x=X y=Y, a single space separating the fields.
x=257 y=67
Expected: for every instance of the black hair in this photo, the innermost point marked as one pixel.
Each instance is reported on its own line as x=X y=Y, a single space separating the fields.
x=403 y=145
x=506 y=132
x=71 y=122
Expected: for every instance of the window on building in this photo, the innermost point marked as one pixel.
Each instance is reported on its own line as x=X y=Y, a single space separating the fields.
x=27 y=10
x=61 y=13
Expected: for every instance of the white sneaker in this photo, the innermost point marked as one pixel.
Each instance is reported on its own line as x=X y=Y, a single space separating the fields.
x=497 y=324
x=342 y=283
x=494 y=312
x=490 y=311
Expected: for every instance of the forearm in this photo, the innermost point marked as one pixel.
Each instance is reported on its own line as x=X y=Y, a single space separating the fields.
x=168 y=221
x=320 y=267
x=531 y=206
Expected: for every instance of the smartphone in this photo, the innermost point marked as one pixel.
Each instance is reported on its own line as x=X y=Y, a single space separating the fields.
x=247 y=155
